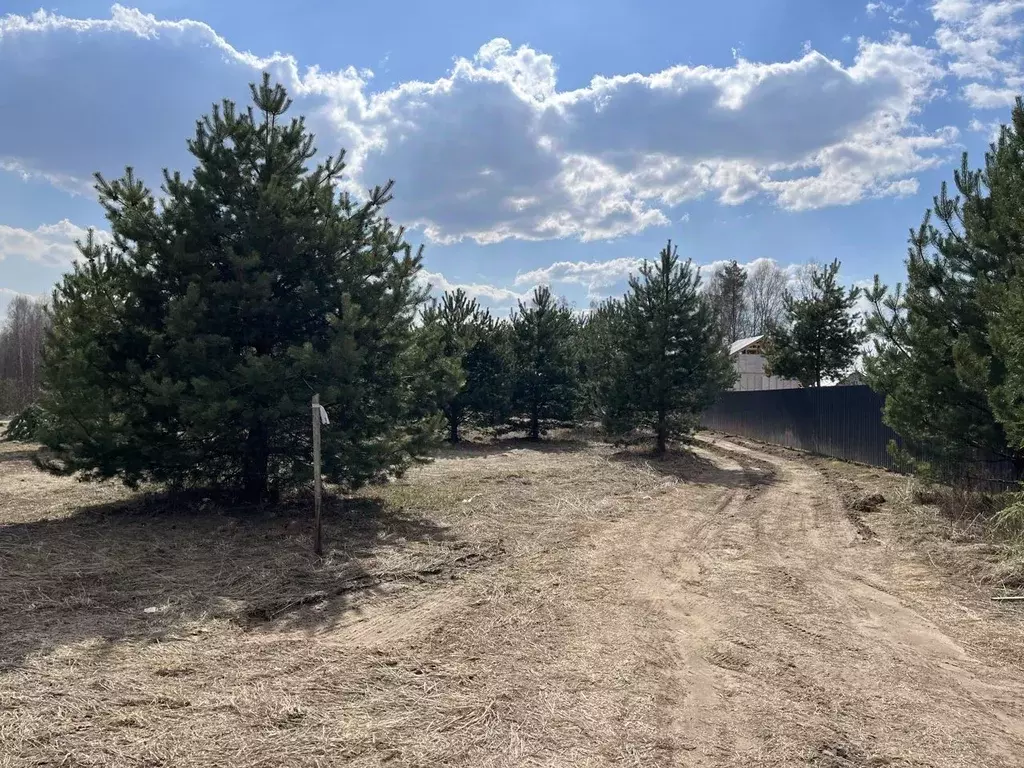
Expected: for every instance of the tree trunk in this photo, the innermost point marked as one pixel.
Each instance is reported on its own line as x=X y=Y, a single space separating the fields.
x=453 y=427
x=534 y=426
x=256 y=463
x=662 y=434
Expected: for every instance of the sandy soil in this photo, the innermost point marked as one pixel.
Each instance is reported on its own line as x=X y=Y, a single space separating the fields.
x=506 y=605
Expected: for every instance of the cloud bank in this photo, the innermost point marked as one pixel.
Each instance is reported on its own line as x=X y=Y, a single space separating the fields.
x=494 y=149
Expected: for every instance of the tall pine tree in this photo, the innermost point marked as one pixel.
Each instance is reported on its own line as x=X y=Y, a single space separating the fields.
x=948 y=353
x=186 y=352
x=674 y=363
x=820 y=336
x=542 y=338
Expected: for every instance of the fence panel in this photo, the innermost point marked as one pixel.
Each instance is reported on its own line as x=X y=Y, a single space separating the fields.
x=841 y=422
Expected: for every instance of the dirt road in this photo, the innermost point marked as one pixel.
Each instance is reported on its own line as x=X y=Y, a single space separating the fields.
x=801 y=637
x=571 y=605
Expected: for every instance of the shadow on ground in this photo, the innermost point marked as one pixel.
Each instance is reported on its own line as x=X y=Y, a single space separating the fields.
x=153 y=569
x=690 y=466
x=17 y=454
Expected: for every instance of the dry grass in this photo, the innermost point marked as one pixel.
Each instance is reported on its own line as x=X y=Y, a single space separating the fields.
x=956 y=529
x=972 y=536
x=961 y=530
x=456 y=620
x=562 y=604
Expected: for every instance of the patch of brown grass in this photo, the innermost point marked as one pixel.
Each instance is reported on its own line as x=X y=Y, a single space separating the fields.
x=953 y=527
x=456 y=620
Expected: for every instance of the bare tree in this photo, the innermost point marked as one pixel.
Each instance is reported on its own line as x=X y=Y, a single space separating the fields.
x=21 y=346
x=765 y=291
x=801 y=281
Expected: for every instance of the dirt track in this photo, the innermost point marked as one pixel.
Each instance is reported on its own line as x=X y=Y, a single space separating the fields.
x=583 y=608
x=801 y=637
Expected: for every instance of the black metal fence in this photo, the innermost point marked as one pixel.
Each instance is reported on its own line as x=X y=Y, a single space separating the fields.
x=841 y=422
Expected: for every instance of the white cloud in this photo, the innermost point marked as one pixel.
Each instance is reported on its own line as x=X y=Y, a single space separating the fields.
x=862 y=168
x=489 y=295
x=493 y=149
x=895 y=14
x=593 y=275
x=52 y=245
x=991 y=129
x=863 y=306
x=8 y=295
x=600 y=279
x=982 y=39
x=792 y=270
x=71 y=184
x=99 y=94
x=982 y=96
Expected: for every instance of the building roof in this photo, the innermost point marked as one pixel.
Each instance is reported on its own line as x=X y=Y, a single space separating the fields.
x=740 y=344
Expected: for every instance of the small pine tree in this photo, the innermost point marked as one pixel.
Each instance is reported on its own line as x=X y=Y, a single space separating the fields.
x=471 y=340
x=819 y=338
x=601 y=359
x=489 y=376
x=26 y=426
x=674 y=363
x=542 y=337
x=187 y=350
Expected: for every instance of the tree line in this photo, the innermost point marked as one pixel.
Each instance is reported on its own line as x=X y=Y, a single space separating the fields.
x=21 y=344
x=184 y=350
x=647 y=363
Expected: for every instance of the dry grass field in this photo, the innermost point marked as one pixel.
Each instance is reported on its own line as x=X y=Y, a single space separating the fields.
x=509 y=604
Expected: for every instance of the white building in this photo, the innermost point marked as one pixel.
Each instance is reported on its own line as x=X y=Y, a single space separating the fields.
x=748 y=358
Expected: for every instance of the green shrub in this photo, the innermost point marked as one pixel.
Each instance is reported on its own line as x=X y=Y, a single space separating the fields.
x=24 y=428
x=1010 y=519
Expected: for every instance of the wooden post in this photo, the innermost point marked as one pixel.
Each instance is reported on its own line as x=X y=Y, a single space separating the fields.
x=318 y=542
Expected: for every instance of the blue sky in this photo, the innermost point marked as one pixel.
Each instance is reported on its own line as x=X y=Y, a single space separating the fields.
x=530 y=142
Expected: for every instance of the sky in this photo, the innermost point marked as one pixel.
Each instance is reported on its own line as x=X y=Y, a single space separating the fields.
x=557 y=142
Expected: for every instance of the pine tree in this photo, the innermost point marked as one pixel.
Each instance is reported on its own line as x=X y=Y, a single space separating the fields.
x=673 y=361
x=471 y=339
x=726 y=291
x=601 y=359
x=948 y=354
x=542 y=336
x=819 y=338
x=186 y=352
x=489 y=374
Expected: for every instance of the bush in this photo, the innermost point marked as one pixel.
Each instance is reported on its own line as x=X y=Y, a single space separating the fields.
x=25 y=427
x=1010 y=519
